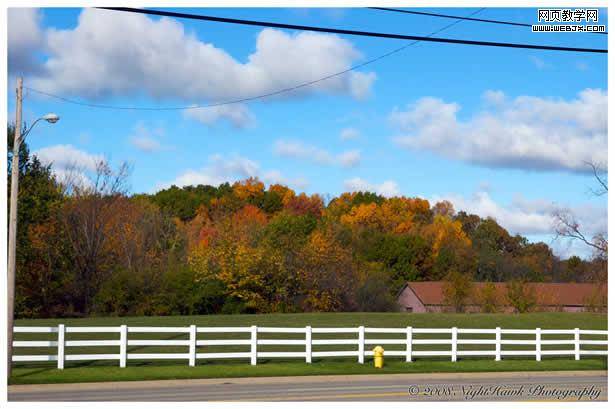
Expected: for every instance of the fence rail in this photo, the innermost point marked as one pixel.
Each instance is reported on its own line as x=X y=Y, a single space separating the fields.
x=452 y=341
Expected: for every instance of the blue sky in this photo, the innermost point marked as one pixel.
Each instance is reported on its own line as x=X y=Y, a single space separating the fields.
x=499 y=132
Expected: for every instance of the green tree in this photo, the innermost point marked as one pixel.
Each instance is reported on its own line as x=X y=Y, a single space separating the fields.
x=41 y=257
x=373 y=294
x=404 y=257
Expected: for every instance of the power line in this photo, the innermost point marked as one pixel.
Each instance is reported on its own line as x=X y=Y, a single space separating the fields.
x=481 y=20
x=353 y=32
x=256 y=97
x=423 y=13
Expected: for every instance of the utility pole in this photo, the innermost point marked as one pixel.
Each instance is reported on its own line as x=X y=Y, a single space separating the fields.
x=12 y=256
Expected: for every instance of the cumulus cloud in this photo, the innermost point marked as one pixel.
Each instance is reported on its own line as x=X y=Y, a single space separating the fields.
x=25 y=37
x=525 y=132
x=276 y=177
x=299 y=150
x=119 y=54
x=145 y=139
x=238 y=115
x=68 y=163
x=527 y=217
x=221 y=169
x=388 y=188
x=63 y=156
x=349 y=133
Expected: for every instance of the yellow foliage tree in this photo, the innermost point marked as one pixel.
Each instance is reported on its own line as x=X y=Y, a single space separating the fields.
x=249 y=189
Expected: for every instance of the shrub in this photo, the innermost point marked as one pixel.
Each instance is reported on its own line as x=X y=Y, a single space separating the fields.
x=488 y=298
x=521 y=296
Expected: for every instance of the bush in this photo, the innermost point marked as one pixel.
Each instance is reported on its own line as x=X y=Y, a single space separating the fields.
x=488 y=298
x=185 y=294
x=521 y=296
x=234 y=306
x=374 y=296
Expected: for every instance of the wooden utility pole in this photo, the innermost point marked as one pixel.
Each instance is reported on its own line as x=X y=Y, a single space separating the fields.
x=13 y=227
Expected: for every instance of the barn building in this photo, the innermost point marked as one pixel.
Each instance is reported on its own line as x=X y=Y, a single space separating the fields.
x=428 y=296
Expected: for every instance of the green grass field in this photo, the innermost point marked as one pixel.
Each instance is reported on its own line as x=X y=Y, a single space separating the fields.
x=138 y=370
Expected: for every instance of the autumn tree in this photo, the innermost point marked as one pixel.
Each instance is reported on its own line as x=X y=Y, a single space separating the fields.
x=450 y=247
x=457 y=289
x=303 y=204
x=85 y=217
x=444 y=208
x=396 y=215
x=328 y=274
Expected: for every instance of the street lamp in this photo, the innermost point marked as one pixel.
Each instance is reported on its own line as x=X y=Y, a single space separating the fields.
x=51 y=118
x=18 y=138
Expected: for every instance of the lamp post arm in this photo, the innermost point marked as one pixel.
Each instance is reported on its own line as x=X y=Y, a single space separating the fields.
x=26 y=132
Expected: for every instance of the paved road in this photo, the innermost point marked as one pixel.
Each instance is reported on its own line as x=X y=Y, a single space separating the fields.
x=518 y=386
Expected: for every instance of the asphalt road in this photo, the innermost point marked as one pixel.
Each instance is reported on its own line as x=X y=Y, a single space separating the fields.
x=518 y=386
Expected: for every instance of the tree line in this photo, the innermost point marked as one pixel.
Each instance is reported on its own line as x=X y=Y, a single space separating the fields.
x=91 y=248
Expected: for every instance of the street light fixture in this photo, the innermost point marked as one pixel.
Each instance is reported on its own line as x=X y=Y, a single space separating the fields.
x=51 y=118
x=18 y=138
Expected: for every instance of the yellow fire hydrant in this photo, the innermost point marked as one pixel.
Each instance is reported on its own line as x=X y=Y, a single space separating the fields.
x=378 y=357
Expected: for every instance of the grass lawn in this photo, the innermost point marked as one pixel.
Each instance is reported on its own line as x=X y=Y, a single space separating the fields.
x=542 y=320
x=138 y=370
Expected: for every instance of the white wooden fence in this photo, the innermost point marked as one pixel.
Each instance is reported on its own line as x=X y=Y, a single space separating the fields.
x=364 y=341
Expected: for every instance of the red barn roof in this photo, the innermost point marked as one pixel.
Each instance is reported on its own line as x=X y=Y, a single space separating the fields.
x=554 y=294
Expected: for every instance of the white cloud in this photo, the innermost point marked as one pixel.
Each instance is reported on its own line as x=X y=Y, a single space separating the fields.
x=146 y=144
x=275 y=176
x=238 y=115
x=64 y=156
x=144 y=138
x=388 y=188
x=299 y=150
x=118 y=54
x=349 y=133
x=494 y=97
x=539 y=62
x=24 y=38
x=349 y=159
x=527 y=217
x=221 y=169
x=68 y=163
x=525 y=132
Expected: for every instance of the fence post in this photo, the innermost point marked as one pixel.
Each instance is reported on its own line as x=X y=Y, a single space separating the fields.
x=454 y=344
x=408 y=344
x=192 y=351
x=308 y=344
x=253 y=345
x=538 y=344
x=361 y=341
x=123 y=345
x=61 y=345
x=577 y=344
x=498 y=344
